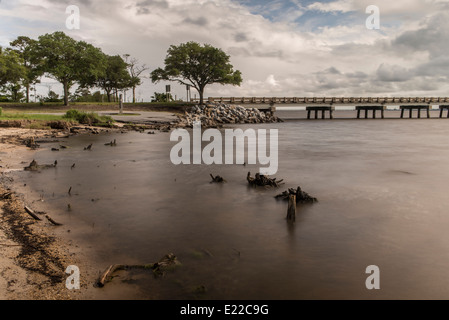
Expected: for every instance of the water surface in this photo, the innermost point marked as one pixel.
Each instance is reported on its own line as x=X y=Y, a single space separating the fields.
x=382 y=191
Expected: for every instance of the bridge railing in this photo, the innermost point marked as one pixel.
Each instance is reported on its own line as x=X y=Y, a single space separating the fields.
x=325 y=100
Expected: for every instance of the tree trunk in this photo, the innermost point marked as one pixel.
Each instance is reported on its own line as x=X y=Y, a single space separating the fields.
x=134 y=94
x=201 y=92
x=27 y=93
x=66 y=93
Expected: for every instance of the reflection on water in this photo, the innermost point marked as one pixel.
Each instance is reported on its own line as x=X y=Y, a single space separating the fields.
x=381 y=187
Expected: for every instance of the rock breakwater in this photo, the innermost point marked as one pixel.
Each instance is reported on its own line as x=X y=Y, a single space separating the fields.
x=217 y=115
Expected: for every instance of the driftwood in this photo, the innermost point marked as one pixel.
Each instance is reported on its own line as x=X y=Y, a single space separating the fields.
x=89 y=147
x=32 y=143
x=217 y=179
x=52 y=221
x=31 y=213
x=263 y=181
x=301 y=196
x=112 y=143
x=34 y=166
x=159 y=268
x=6 y=195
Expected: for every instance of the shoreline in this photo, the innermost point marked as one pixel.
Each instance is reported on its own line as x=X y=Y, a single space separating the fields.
x=33 y=258
x=34 y=254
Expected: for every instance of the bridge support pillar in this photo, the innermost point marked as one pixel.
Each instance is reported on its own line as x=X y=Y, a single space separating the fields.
x=442 y=108
x=374 y=109
x=323 y=110
x=410 y=109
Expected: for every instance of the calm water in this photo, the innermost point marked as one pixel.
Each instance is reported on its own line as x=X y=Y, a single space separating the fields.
x=382 y=189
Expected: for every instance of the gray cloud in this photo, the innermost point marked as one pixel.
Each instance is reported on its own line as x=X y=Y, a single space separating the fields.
x=145 y=7
x=200 y=21
x=392 y=73
x=240 y=37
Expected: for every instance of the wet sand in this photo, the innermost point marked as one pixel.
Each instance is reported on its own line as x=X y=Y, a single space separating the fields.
x=33 y=259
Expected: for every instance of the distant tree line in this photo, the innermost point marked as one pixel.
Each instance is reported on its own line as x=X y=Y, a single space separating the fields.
x=72 y=62
x=69 y=62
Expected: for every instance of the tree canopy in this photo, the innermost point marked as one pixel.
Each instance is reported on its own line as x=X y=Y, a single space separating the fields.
x=197 y=66
x=115 y=75
x=69 y=61
x=26 y=48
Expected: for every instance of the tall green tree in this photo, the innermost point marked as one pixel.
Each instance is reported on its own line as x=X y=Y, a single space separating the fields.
x=27 y=49
x=115 y=76
x=198 y=66
x=12 y=73
x=69 y=61
x=11 y=67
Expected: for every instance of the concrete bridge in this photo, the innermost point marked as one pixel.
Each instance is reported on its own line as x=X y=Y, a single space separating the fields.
x=330 y=104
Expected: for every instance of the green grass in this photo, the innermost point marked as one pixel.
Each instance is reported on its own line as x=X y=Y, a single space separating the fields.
x=89 y=118
x=29 y=116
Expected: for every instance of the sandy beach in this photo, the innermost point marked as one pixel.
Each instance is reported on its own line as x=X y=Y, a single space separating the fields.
x=33 y=260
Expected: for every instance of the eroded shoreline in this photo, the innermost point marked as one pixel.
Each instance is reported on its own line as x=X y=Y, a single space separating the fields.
x=33 y=259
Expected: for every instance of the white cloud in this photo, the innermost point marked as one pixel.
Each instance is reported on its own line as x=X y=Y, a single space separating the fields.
x=275 y=56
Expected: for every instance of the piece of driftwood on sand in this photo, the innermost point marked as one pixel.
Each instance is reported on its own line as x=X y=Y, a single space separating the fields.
x=159 y=268
x=34 y=166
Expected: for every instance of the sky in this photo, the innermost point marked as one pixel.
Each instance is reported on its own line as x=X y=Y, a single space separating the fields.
x=296 y=48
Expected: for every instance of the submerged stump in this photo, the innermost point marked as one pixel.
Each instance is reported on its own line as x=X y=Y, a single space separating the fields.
x=263 y=181
x=301 y=196
x=34 y=166
x=291 y=211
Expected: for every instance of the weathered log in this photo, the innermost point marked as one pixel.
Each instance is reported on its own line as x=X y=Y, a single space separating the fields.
x=31 y=213
x=158 y=268
x=301 y=196
x=112 y=143
x=263 y=181
x=34 y=166
x=217 y=179
x=52 y=221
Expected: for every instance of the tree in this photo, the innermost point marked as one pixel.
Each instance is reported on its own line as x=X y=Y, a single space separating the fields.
x=196 y=65
x=26 y=48
x=135 y=72
x=12 y=73
x=115 y=75
x=11 y=68
x=161 y=97
x=69 y=61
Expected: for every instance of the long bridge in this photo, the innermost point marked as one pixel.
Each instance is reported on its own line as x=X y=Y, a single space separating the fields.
x=329 y=104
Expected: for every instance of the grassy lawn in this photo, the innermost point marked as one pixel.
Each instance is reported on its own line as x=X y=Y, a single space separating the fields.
x=29 y=116
x=89 y=107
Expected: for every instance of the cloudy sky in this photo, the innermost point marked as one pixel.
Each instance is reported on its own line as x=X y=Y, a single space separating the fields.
x=283 y=48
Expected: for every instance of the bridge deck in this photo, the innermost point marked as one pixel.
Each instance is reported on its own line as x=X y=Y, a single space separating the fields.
x=327 y=100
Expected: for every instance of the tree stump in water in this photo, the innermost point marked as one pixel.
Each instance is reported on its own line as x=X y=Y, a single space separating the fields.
x=301 y=196
x=217 y=179
x=263 y=181
x=291 y=212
